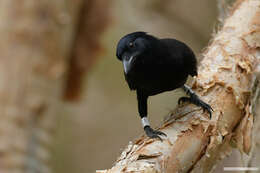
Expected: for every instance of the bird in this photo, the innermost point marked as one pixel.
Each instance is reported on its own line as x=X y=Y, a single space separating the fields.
x=152 y=66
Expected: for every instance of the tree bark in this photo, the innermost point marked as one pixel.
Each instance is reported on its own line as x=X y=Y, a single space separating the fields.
x=228 y=81
x=224 y=9
x=94 y=18
x=35 y=43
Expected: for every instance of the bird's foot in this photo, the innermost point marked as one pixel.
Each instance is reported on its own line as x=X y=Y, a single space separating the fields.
x=197 y=101
x=151 y=133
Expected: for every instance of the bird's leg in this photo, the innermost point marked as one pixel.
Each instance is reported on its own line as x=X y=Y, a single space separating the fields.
x=142 y=108
x=194 y=99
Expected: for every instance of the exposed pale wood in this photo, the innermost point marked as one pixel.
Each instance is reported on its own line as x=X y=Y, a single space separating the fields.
x=224 y=9
x=228 y=80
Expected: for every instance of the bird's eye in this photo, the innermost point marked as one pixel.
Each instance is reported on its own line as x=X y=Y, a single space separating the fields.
x=131 y=44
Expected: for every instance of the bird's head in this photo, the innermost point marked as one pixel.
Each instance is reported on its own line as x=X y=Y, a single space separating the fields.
x=133 y=47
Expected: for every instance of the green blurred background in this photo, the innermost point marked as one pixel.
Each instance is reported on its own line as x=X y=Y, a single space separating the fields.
x=91 y=134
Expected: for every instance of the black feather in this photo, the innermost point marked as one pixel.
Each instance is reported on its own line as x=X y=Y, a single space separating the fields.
x=160 y=65
x=153 y=65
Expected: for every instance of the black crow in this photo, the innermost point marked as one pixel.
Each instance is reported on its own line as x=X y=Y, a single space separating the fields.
x=152 y=66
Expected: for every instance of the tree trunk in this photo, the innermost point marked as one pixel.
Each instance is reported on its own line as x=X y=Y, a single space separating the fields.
x=35 y=43
x=228 y=81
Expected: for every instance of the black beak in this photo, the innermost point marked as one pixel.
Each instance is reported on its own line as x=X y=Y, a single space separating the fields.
x=127 y=64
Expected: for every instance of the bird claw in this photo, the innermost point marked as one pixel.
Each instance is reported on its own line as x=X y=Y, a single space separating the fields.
x=183 y=99
x=151 y=133
x=197 y=101
x=207 y=107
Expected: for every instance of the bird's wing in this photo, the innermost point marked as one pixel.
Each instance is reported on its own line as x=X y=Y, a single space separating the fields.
x=182 y=55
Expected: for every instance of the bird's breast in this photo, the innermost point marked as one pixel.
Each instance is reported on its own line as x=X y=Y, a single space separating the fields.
x=155 y=80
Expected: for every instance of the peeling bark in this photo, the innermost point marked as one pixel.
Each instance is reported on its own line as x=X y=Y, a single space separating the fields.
x=227 y=80
x=224 y=9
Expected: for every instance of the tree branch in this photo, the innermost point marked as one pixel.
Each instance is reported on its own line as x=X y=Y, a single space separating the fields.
x=224 y=9
x=227 y=80
x=94 y=17
x=35 y=42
